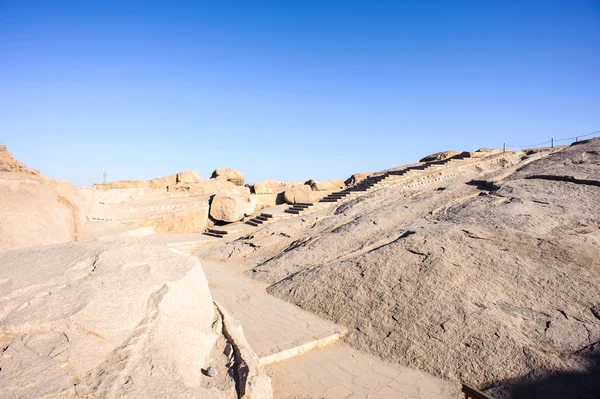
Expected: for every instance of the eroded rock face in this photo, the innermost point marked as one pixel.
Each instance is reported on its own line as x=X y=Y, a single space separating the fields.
x=80 y=335
x=231 y=207
x=229 y=174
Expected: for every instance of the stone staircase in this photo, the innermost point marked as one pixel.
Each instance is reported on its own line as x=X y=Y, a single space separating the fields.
x=372 y=183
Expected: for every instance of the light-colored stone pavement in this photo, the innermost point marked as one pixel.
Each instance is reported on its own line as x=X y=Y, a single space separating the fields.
x=271 y=325
x=330 y=372
x=340 y=372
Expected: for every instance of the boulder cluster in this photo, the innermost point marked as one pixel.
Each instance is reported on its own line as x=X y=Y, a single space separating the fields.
x=227 y=199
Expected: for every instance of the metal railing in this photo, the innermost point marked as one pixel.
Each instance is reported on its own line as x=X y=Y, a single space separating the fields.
x=551 y=142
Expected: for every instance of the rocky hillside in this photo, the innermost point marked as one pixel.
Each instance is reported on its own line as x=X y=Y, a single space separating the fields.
x=490 y=277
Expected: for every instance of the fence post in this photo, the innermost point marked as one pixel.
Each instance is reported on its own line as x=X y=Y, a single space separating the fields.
x=552 y=140
x=576 y=139
x=504 y=148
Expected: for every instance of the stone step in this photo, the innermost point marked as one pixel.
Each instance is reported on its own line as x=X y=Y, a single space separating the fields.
x=294 y=211
x=216 y=230
x=209 y=233
x=299 y=207
x=268 y=215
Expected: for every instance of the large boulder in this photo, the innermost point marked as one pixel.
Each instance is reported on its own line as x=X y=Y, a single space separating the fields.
x=355 y=178
x=189 y=176
x=231 y=207
x=300 y=194
x=438 y=156
x=229 y=174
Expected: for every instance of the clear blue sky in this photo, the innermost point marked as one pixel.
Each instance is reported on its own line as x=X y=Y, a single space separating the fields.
x=288 y=90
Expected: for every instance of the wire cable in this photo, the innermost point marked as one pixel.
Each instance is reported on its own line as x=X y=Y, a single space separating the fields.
x=550 y=141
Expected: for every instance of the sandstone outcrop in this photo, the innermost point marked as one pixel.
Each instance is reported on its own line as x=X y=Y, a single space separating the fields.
x=68 y=330
x=231 y=207
x=229 y=174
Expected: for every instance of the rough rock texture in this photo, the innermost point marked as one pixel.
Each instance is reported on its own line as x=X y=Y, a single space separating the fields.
x=189 y=176
x=355 y=178
x=489 y=277
x=108 y=318
x=231 y=207
x=8 y=163
x=229 y=174
x=328 y=185
x=440 y=155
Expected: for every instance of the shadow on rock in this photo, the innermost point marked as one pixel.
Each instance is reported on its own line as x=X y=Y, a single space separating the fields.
x=557 y=384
